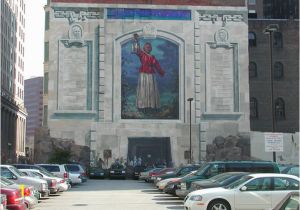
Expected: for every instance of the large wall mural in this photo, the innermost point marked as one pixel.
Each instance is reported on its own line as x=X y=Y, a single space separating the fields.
x=150 y=79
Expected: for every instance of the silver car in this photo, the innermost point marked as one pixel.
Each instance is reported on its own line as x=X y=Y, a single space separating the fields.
x=10 y=172
x=62 y=185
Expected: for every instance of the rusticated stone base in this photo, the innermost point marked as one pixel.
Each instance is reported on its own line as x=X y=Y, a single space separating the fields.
x=229 y=148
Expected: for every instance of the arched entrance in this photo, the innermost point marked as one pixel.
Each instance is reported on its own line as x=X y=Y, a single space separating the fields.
x=151 y=150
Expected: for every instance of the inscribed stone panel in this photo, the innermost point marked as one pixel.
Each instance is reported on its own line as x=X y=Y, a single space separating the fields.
x=72 y=91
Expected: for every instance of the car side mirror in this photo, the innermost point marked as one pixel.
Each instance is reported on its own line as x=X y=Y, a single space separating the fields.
x=244 y=188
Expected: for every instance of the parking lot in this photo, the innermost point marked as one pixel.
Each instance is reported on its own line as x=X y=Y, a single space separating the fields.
x=111 y=195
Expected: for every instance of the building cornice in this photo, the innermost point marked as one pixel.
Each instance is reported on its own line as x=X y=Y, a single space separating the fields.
x=232 y=3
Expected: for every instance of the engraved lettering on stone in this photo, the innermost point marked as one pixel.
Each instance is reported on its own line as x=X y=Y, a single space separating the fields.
x=220 y=17
x=75 y=16
x=222 y=93
x=208 y=17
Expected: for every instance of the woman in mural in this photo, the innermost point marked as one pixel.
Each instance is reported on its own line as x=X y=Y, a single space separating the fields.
x=147 y=93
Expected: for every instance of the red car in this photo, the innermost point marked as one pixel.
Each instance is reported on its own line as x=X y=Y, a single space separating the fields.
x=14 y=199
x=153 y=175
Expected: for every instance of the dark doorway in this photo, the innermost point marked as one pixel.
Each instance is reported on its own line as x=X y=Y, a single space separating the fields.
x=151 y=151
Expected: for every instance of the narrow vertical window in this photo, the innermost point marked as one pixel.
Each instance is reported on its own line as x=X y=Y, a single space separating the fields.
x=278 y=71
x=252 y=70
x=252 y=39
x=279 y=109
x=253 y=108
x=46 y=51
x=45 y=116
x=46 y=78
x=47 y=16
x=278 y=41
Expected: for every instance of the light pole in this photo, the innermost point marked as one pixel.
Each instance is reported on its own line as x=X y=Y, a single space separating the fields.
x=190 y=100
x=270 y=29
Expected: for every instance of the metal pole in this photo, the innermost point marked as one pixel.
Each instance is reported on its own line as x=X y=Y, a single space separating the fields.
x=190 y=158
x=190 y=131
x=272 y=96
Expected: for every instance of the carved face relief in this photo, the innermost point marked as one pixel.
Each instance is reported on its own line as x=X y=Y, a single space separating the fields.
x=75 y=32
x=221 y=36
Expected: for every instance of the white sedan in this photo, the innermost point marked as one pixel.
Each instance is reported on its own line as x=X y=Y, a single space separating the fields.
x=251 y=192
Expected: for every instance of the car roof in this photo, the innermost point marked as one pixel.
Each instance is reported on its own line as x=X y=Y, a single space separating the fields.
x=257 y=175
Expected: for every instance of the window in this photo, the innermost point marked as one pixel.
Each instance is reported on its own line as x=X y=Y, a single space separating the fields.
x=252 y=2
x=45 y=116
x=231 y=167
x=279 y=109
x=278 y=70
x=46 y=51
x=252 y=70
x=253 y=108
x=51 y=168
x=284 y=183
x=252 y=39
x=47 y=16
x=277 y=41
x=259 y=184
x=262 y=168
x=46 y=78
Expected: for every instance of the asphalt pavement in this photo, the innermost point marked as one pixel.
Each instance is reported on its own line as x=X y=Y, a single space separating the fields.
x=111 y=195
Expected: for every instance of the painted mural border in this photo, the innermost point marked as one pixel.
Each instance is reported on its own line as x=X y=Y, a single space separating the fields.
x=116 y=102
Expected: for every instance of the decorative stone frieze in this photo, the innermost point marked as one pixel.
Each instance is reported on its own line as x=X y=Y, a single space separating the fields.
x=78 y=14
x=225 y=18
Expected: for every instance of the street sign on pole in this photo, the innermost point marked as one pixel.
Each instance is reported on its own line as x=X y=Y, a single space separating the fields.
x=274 y=142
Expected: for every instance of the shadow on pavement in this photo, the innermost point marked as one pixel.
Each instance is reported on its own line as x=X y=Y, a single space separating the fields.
x=170 y=203
x=175 y=207
x=167 y=199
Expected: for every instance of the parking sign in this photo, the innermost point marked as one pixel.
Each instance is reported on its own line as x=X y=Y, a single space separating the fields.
x=274 y=142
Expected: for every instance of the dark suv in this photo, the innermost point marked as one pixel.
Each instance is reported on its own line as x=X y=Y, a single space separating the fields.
x=117 y=170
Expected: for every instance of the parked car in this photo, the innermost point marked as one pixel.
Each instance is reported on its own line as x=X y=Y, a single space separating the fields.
x=137 y=171
x=14 y=199
x=52 y=183
x=219 y=180
x=171 y=187
x=292 y=170
x=62 y=185
x=290 y=202
x=214 y=168
x=10 y=172
x=3 y=202
x=76 y=169
x=60 y=171
x=117 y=171
x=29 y=166
x=181 y=171
x=163 y=183
x=144 y=175
x=253 y=191
x=29 y=197
x=153 y=176
x=96 y=172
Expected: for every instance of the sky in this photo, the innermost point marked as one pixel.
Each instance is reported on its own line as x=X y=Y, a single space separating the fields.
x=34 y=38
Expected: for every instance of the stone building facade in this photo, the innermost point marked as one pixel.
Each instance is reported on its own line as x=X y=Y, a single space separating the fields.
x=96 y=60
x=285 y=66
x=13 y=112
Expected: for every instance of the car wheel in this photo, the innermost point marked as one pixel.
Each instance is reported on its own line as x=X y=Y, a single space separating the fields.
x=218 y=205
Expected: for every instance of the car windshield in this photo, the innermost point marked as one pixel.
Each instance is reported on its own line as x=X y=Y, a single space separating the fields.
x=16 y=171
x=44 y=172
x=220 y=177
x=72 y=168
x=6 y=181
x=117 y=166
x=203 y=169
x=238 y=182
